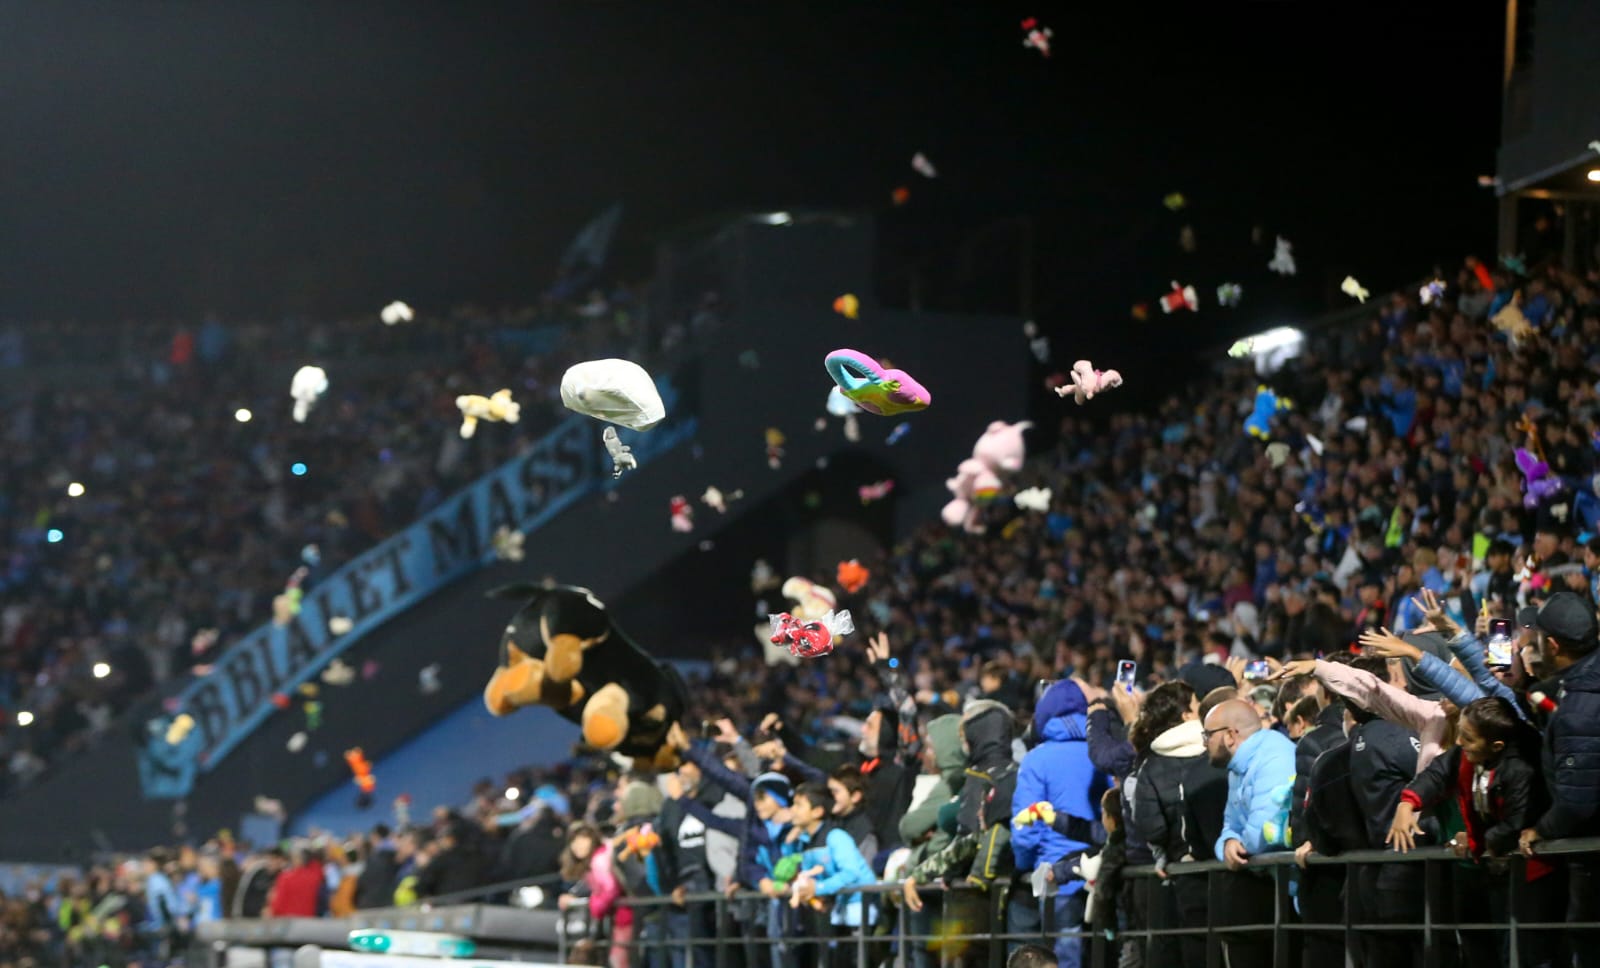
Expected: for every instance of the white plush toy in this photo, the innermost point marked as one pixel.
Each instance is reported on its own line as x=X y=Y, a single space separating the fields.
x=499 y=408
x=310 y=383
x=616 y=391
x=621 y=457
x=1282 y=258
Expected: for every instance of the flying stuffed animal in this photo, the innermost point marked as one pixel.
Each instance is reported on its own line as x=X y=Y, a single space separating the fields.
x=309 y=383
x=499 y=408
x=562 y=650
x=852 y=576
x=977 y=480
x=1259 y=423
x=1088 y=381
x=872 y=387
x=1282 y=258
x=1181 y=297
x=616 y=391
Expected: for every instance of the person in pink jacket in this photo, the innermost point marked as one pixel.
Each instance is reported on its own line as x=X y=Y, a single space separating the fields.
x=1431 y=721
x=588 y=858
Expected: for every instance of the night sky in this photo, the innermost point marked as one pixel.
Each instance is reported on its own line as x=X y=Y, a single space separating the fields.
x=162 y=159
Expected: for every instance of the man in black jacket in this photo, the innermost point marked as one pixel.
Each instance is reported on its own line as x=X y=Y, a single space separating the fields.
x=1571 y=753
x=534 y=847
x=1383 y=759
x=1330 y=824
x=375 y=886
x=684 y=867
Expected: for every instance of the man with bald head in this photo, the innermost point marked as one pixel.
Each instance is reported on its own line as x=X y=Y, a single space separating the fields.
x=1260 y=764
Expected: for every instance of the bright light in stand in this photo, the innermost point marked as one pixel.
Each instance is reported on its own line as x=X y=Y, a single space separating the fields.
x=777 y=218
x=24 y=718
x=1274 y=338
x=74 y=489
x=513 y=794
x=1594 y=175
x=530 y=897
x=54 y=536
x=298 y=469
x=242 y=415
x=102 y=669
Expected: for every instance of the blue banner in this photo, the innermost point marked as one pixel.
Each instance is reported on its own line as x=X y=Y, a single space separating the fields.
x=453 y=540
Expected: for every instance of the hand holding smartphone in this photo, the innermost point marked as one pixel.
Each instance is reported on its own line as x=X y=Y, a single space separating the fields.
x=1127 y=674
x=1500 y=644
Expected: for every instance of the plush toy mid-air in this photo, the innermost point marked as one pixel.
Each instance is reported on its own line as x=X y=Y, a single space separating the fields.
x=873 y=388
x=1259 y=423
x=562 y=650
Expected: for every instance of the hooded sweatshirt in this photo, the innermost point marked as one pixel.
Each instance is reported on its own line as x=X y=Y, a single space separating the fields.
x=922 y=820
x=1177 y=765
x=1058 y=770
x=987 y=794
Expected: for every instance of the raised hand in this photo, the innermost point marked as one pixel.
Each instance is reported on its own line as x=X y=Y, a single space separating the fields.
x=878 y=647
x=1386 y=645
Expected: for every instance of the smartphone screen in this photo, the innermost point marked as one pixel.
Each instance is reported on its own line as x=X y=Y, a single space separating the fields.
x=1500 y=643
x=1257 y=669
x=1127 y=672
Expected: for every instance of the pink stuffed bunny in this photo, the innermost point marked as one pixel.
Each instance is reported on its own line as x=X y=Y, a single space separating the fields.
x=1000 y=450
x=1088 y=381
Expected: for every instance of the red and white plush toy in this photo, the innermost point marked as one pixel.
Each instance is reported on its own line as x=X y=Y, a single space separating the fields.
x=682 y=513
x=1181 y=297
x=1088 y=381
x=977 y=481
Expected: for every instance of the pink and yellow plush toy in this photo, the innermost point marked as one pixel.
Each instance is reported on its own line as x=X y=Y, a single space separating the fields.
x=867 y=384
x=1088 y=381
x=977 y=482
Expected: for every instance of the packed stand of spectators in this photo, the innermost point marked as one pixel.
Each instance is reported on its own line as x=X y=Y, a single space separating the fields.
x=188 y=519
x=1371 y=630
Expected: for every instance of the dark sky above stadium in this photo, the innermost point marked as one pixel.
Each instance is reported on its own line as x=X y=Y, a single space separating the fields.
x=165 y=158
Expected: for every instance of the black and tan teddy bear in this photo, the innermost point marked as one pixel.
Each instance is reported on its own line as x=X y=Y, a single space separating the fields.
x=562 y=650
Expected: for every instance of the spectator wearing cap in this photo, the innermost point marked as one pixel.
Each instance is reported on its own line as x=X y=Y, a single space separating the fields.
x=762 y=831
x=1571 y=751
x=1260 y=764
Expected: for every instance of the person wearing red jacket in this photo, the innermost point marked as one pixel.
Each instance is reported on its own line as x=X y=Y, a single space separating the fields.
x=298 y=891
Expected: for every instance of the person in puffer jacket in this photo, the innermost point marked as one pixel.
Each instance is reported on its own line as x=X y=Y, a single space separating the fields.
x=1175 y=768
x=1058 y=772
x=1260 y=764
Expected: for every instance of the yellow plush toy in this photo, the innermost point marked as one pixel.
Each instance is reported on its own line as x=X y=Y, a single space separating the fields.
x=499 y=408
x=1042 y=812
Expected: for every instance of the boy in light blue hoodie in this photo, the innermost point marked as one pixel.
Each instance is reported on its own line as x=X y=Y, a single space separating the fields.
x=832 y=857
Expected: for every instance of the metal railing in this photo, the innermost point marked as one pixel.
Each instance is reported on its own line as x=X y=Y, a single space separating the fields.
x=766 y=931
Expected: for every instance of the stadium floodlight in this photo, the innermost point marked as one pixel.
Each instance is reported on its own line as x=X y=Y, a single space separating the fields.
x=1275 y=338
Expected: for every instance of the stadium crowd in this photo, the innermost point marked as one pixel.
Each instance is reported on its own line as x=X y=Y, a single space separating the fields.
x=1373 y=630
x=127 y=531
